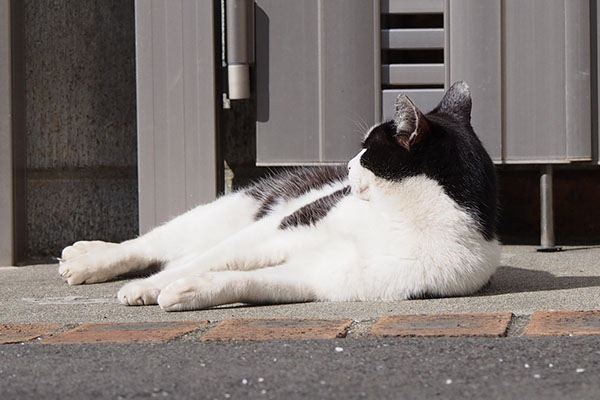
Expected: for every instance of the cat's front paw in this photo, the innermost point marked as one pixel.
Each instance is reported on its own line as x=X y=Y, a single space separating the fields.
x=191 y=293
x=79 y=262
x=84 y=247
x=138 y=293
x=81 y=270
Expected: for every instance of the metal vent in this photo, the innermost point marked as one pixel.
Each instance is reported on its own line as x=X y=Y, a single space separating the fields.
x=412 y=52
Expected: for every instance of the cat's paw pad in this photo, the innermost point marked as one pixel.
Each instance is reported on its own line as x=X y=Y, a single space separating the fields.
x=82 y=262
x=138 y=293
x=185 y=294
x=84 y=269
x=75 y=273
x=82 y=247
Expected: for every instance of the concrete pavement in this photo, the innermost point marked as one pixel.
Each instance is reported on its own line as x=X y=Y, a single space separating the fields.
x=526 y=282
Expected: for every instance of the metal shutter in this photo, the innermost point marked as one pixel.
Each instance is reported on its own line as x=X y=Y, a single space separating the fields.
x=412 y=52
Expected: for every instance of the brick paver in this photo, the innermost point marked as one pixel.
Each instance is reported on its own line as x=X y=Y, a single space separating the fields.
x=547 y=323
x=489 y=325
x=277 y=329
x=138 y=332
x=560 y=323
x=17 y=333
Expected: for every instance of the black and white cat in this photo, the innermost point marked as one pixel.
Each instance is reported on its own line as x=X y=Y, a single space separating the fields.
x=413 y=214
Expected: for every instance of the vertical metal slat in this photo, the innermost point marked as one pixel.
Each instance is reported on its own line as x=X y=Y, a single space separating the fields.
x=6 y=167
x=480 y=19
x=176 y=107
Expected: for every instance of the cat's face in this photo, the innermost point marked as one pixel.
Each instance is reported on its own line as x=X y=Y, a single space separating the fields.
x=398 y=148
x=387 y=149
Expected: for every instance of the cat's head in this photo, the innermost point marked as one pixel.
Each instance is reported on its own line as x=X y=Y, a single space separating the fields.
x=409 y=144
x=440 y=145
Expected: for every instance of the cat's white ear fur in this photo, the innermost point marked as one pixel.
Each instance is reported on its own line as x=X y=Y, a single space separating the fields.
x=411 y=125
x=457 y=101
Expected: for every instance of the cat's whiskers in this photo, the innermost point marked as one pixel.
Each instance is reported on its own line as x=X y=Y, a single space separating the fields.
x=360 y=124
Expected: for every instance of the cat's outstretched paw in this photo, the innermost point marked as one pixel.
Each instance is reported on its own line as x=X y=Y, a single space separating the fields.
x=138 y=293
x=79 y=262
x=190 y=293
x=83 y=247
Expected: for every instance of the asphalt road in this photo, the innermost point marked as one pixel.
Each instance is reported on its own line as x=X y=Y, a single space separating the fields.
x=410 y=368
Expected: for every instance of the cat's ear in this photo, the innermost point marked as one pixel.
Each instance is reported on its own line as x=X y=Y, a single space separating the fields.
x=457 y=102
x=411 y=125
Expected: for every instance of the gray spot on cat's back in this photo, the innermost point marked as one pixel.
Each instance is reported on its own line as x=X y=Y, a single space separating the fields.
x=313 y=212
x=292 y=184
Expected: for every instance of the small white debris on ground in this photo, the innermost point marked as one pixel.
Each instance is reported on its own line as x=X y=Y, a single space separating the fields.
x=580 y=370
x=448 y=381
x=339 y=349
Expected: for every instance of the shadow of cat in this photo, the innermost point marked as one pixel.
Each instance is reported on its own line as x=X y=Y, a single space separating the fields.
x=517 y=280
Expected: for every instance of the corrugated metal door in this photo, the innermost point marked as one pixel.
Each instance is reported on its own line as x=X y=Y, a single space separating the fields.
x=527 y=63
x=176 y=99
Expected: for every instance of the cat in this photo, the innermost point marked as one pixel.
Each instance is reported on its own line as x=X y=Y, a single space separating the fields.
x=413 y=214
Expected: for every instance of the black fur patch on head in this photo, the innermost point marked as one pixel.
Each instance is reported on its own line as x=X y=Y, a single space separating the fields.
x=311 y=213
x=291 y=184
x=450 y=153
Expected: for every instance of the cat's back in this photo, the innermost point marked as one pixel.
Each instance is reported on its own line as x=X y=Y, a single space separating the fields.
x=284 y=193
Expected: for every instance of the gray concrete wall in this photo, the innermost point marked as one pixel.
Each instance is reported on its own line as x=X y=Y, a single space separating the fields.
x=80 y=122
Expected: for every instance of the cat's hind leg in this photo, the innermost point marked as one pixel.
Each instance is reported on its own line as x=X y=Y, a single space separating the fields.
x=312 y=273
x=195 y=231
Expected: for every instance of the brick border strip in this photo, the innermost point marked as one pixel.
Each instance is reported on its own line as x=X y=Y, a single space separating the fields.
x=136 y=332
x=481 y=324
x=563 y=323
x=238 y=329
x=547 y=323
x=18 y=333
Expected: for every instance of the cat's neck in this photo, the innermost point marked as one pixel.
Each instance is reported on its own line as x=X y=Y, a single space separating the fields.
x=415 y=198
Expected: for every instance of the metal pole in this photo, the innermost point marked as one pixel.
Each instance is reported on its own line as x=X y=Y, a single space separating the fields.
x=547 y=242
x=239 y=15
